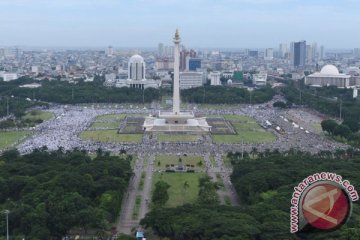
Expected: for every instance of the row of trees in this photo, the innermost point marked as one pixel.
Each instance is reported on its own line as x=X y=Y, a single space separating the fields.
x=94 y=92
x=226 y=95
x=51 y=193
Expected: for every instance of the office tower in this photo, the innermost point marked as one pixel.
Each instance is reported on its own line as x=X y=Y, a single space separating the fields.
x=299 y=54
x=356 y=52
x=269 y=54
x=110 y=51
x=282 y=50
x=161 y=49
x=194 y=63
x=322 y=52
x=215 y=78
x=315 y=53
x=309 y=54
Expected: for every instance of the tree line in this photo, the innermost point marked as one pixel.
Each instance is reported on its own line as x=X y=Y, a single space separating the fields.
x=50 y=193
x=57 y=91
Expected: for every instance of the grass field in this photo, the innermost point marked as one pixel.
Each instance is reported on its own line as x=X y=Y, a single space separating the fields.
x=105 y=125
x=114 y=117
x=38 y=115
x=9 y=138
x=136 y=207
x=178 y=194
x=239 y=118
x=110 y=136
x=248 y=131
x=173 y=159
x=177 y=138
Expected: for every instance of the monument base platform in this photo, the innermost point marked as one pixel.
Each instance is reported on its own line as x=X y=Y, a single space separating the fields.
x=171 y=122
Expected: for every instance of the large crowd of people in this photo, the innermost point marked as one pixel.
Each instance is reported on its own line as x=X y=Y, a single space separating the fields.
x=69 y=121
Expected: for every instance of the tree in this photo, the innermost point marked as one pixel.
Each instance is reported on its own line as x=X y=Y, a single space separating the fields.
x=329 y=126
x=342 y=131
x=280 y=104
x=160 y=195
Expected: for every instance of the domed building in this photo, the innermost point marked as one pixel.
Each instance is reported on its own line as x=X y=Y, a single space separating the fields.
x=136 y=68
x=136 y=75
x=328 y=76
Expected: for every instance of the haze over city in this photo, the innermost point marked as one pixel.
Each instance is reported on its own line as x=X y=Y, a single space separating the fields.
x=203 y=23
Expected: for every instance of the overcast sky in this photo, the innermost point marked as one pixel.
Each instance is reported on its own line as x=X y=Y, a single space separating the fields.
x=202 y=23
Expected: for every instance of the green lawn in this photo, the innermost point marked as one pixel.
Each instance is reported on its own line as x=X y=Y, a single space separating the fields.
x=136 y=207
x=178 y=194
x=177 y=138
x=110 y=136
x=38 y=115
x=248 y=131
x=239 y=118
x=7 y=139
x=115 y=117
x=317 y=127
x=173 y=159
x=105 y=125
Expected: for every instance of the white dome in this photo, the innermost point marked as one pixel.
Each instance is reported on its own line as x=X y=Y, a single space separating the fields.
x=136 y=59
x=329 y=70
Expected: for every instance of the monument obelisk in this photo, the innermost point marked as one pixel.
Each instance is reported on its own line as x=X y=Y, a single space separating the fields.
x=176 y=121
x=176 y=86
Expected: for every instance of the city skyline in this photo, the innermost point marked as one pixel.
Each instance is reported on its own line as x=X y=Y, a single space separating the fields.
x=143 y=24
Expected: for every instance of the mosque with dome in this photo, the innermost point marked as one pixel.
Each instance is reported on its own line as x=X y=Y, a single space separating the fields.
x=328 y=76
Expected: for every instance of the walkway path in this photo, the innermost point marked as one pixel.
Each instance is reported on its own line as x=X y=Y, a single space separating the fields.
x=126 y=221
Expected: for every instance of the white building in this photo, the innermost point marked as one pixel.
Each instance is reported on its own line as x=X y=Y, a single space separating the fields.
x=259 y=79
x=269 y=54
x=9 y=76
x=191 y=80
x=328 y=76
x=215 y=78
x=109 y=51
x=136 y=68
x=35 y=69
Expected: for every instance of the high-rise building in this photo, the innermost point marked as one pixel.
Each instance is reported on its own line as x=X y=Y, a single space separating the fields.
x=356 y=52
x=322 y=53
x=269 y=54
x=298 y=53
x=110 y=51
x=194 y=64
x=136 y=68
x=315 y=53
x=185 y=55
x=282 y=50
x=215 y=78
x=309 y=54
x=161 y=49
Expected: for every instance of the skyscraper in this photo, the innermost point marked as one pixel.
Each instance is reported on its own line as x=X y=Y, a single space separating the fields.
x=309 y=54
x=282 y=50
x=161 y=49
x=109 y=51
x=269 y=54
x=299 y=54
x=322 y=52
